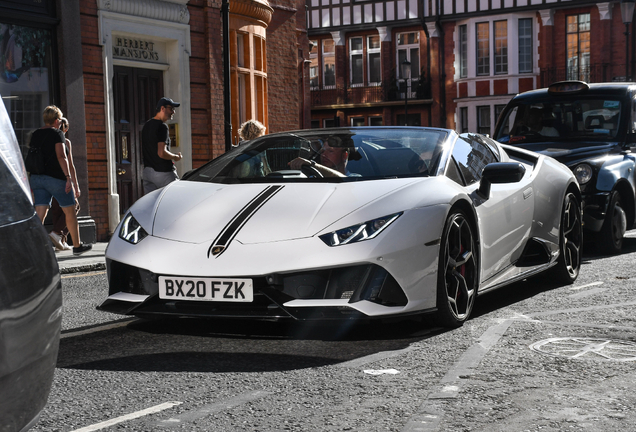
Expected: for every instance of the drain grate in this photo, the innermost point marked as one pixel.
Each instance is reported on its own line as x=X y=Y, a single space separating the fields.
x=587 y=349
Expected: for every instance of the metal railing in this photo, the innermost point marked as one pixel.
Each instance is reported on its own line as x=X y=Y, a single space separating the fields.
x=343 y=95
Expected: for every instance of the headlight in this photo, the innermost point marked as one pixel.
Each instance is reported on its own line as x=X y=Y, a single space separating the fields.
x=131 y=231
x=360 y=232
x=583 y=173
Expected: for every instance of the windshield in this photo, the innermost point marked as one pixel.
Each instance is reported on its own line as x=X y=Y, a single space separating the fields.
x=343 y=154
x=591 y=119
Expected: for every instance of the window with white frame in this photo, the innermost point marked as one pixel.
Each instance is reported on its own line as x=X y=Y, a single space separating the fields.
x=525 y=45
x=501 y=47
x=357 y=121
x=463 y=119
x=463 y=51
x=314 y=80
x=374 y=60
x=498 y=110
x=375 y=121
x=356 y=67
x=483 y=48
x=408 y=48
x=483 y=119
x=328 y=63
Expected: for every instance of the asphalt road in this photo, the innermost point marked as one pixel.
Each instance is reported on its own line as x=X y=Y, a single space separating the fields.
x=534 y=357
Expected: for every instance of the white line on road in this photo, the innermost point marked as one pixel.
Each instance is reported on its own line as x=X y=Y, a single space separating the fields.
x=586 y=286
x=131 y=416
x=97 y=328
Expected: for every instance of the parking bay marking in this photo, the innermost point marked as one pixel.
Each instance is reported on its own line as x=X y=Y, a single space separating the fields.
x=206 y=410
x=152 y=410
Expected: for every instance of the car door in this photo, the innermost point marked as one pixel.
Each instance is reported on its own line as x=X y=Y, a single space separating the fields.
x=505 y=217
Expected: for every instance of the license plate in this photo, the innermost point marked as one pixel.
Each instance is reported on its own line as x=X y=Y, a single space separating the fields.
x=206 y=289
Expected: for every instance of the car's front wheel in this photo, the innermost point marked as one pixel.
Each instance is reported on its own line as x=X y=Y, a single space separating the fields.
x=458 y=274
x=570 y=241
x=610 y=238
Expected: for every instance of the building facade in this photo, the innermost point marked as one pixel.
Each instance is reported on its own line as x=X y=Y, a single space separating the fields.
x=492 y=50
x=106 y=63
x=369 y=63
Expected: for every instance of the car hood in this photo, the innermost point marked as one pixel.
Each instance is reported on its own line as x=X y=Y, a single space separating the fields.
x=572 y=152
x=197 y=212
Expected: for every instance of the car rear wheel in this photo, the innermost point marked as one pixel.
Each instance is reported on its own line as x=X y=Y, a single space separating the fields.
x=610 y=238
x=457 y=278
x=570 y=241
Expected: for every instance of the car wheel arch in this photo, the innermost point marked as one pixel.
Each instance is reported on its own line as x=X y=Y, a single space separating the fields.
x=628 y=199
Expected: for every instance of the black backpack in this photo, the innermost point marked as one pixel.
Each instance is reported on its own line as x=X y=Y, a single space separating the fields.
x=35 y=162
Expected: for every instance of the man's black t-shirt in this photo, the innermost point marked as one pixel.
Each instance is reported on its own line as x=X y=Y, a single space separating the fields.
x=46 y=139
x=155 y=131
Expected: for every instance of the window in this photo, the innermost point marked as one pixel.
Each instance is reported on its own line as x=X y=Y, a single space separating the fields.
x=525 y=45
x=483 y=49
x=314 y=81
x=408 y=48
x=315 y=124
x=472 y=156
x=374 y=60
x=498 y=110
x=463 y=119
x=259 y=54
x=329 y=63
x=501 y=47
x=375 y=121
x=578 y=47
x=463 y=51
x=249 y=79
x=483 y=120
x=357 y=121
x=355 y=61
x=27 y=72
x=328 y=123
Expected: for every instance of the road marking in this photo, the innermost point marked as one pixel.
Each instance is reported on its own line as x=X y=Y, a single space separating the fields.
x=221 y=406
x=131 y=416
x=83 y=275
x=585 y=286
x=587 y=293
x=97 y=328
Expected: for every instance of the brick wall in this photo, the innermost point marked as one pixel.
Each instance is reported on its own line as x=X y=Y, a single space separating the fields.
x=284 y=102
x=92 y=66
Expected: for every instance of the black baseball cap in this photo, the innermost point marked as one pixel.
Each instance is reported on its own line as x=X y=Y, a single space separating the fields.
x=164 y=101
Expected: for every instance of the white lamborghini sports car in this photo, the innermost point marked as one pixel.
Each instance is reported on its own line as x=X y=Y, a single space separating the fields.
x=346 y=223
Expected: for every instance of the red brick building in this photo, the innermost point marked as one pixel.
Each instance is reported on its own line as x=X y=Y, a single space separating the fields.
x=491 y=51
x=106 y=64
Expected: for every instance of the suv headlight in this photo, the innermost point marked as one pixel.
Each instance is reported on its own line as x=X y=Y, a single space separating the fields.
x=360 y=232
x=131 y=231
x=583 y=173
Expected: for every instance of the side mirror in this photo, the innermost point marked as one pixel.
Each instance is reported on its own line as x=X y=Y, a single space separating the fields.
x=500 y=172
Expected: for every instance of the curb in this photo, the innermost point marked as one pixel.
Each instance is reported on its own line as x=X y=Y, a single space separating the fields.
x=83 y=268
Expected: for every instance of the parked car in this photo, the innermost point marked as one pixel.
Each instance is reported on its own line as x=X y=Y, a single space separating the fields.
x=421 y=220
x=30 y=294
x=590 y=128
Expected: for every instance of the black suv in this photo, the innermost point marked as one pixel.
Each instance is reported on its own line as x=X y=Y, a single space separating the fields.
x=591 y=128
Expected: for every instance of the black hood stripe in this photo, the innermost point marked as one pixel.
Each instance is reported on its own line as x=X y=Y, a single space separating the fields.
x=240 y=219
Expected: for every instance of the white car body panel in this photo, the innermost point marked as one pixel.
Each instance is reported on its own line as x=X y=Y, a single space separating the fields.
x=282 y=235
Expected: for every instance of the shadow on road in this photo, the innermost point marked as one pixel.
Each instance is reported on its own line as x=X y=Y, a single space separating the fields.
x=194 y=345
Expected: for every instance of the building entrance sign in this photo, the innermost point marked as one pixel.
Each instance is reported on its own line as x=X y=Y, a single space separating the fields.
x=136 y=49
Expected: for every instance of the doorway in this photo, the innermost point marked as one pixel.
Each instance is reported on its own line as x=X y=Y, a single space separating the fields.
x=135 y=92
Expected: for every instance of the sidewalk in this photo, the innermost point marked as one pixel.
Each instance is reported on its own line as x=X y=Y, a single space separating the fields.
x=92 y=260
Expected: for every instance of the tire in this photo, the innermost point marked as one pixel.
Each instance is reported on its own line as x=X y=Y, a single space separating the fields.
x=570 y=241
x=610 y=238
x=458 y=274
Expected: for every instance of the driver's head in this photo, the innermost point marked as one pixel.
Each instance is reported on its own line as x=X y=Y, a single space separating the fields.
x=334 y=157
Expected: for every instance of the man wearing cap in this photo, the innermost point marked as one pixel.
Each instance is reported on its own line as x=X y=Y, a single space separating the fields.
x=159 y=168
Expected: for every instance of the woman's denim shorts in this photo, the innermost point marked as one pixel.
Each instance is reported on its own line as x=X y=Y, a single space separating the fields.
x=44 y=187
